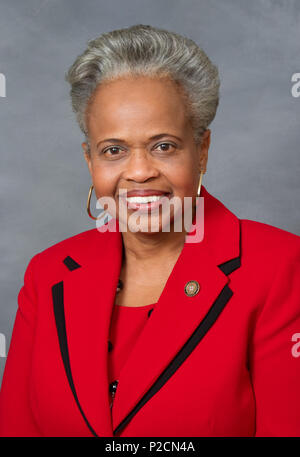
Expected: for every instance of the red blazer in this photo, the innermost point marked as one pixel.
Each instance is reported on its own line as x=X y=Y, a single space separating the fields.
x=224 y=362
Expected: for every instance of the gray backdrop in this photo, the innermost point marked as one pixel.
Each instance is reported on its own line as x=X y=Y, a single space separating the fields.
x=254 y=160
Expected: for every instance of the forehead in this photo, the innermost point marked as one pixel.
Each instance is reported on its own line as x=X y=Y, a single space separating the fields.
x=137 y=103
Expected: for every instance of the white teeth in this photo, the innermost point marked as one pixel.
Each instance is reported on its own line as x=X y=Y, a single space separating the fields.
x=148 y=199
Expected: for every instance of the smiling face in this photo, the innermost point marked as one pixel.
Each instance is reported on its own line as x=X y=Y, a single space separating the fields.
x=141 y=139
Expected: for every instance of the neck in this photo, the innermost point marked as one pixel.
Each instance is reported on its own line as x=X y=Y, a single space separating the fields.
x=148 y=247
x=143 y=246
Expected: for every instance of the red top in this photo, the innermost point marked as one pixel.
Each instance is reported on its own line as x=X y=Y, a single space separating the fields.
x=127 y=322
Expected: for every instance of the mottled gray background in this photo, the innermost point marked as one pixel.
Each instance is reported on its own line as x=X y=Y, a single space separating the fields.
x=254 y=160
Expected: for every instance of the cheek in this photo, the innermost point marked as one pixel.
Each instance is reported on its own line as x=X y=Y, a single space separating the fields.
x=104 y=181
x=183 y=172
x=184 y=180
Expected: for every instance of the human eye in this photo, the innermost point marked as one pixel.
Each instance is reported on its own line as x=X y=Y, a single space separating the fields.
x=112 y=151
x=166 y=146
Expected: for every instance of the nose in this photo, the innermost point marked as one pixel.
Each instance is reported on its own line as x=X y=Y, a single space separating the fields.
x=140 y=166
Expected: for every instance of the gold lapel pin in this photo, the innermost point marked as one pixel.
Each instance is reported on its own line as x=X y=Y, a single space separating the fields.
x=191 y=288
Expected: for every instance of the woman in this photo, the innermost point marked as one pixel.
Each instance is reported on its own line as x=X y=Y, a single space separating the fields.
x=140 y=332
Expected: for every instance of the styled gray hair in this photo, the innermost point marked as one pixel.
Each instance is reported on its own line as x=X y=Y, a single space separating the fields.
x=143 y=50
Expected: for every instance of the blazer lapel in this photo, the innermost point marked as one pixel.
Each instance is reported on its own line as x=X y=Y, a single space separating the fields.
x=179 y=322
x=83 y=302
x=82 y=305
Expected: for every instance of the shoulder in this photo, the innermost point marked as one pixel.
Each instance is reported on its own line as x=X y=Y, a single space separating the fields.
x=270 y=261
x=81 y=247
x=78 y=243
x=264 y=241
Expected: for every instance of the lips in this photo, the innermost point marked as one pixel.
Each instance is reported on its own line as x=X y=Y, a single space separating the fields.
x=144 y=200
x=143 y=206
x=145 y=192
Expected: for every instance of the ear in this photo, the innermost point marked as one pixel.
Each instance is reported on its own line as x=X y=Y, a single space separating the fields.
x=87 y=156
x=203 y=150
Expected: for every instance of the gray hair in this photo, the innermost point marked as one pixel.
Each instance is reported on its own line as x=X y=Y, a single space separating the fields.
x=147 y=51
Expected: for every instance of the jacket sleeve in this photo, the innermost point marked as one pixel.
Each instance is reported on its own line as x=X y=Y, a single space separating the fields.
x=275 y=354
x=16 y=418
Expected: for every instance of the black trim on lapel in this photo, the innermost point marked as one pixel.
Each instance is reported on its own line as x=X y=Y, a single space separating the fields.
x=58 y=306
x=71 y=263
x=185 y=351
x=189 y=346
x=230 y=266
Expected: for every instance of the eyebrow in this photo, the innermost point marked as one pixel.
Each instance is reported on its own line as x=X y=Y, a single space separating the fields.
x=154 y=137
